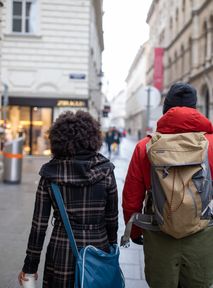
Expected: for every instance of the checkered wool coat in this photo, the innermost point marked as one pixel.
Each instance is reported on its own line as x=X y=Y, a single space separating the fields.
x=89 y=191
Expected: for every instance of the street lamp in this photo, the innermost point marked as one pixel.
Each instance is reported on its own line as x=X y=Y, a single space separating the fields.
x=148 y=108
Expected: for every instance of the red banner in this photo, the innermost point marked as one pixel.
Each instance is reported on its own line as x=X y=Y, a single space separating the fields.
x=158 y=68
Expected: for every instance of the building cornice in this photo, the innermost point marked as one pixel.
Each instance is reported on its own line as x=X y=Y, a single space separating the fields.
x=201 y=8
x=201 y=72
x=151 y=10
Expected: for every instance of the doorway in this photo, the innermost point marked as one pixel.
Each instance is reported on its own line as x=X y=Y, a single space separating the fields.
x=41 y=120
x=33 y=124
x=205 y=94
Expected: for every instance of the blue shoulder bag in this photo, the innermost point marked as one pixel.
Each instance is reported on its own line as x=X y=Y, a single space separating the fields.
x=94 y=267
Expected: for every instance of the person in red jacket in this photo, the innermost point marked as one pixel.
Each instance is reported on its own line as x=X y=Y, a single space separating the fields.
x=170 y=262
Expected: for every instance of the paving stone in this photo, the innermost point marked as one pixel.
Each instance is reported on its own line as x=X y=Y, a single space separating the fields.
x=129 y=256
x=136 y=284
x=131 y=271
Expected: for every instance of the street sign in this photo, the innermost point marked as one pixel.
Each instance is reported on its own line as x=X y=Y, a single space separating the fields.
x=77 y=76
x=148 y=98
x=148 y=94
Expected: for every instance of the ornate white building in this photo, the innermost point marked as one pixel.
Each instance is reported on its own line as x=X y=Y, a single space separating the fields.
x=184 y=28
x=50 y=62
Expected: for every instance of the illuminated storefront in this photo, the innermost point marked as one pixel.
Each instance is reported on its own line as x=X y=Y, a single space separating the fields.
x=32 y=118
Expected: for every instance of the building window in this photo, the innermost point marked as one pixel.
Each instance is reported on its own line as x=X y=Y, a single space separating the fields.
x=177 y=19
x=183 y=11
x=183 y=6
x=175 y=66
x=182 y=61
x=171 y=27
x=24 y=16
x=190 y=54
x=205 y=46
x=162 y=37
x=211 y=25
x=170 y=74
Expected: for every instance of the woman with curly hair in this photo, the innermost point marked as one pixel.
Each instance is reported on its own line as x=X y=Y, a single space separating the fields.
x=87 y=184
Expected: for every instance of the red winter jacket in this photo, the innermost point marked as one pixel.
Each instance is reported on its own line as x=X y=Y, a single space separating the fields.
x=176 y=120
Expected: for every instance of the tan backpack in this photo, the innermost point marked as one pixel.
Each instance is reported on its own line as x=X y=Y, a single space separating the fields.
x=181 y=182
x=180 y=199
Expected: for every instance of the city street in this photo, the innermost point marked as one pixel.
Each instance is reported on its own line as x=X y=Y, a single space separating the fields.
x=16 y=207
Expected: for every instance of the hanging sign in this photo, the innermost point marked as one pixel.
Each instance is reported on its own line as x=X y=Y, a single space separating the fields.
x=158 y=68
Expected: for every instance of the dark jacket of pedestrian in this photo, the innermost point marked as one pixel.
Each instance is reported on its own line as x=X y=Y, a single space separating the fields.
x=87 y=184
x=168 y=260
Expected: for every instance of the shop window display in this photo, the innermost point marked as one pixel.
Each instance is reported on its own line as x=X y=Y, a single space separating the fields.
x=31 y=123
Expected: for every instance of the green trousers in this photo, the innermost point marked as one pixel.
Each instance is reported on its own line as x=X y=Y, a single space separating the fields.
x=188 y=261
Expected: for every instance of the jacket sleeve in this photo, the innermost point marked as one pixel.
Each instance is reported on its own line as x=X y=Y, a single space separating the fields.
x=210 y=152
x=111 y=211
x=40 y=219
x=135 y=185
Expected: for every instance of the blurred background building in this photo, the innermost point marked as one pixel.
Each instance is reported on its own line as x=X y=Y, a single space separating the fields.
x=118 y=115
x=105 y=110
x=184 y=31
x=50 y=61
x=179 y=48
x=135 y=99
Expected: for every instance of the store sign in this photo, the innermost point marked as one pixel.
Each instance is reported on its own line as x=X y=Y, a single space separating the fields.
x=158 y=68
x=47 y=102
x=71 y=103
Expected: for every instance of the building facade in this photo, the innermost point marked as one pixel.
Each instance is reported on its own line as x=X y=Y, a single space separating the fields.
x=1 y=7
x=184 y=28
x=118 y=114
x=135 y=98
x=105 y=119
x=50 y=62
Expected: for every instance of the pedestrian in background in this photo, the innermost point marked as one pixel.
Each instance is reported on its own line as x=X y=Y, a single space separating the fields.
x=109 y=140
x=170 y=262
x=87 y=184
x=116 y=140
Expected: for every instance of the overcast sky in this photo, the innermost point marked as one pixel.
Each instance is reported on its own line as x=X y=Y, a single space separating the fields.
x=125 y=30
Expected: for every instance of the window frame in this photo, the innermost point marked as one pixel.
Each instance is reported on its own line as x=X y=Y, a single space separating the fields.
x=23 y=17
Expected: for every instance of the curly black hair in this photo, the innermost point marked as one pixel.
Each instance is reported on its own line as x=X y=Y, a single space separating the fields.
x=72 y=133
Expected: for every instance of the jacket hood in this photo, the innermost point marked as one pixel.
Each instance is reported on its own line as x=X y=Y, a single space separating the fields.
x=84 y=169
x=183 y=120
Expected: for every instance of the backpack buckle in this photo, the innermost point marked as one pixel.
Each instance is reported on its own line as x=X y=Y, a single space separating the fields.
x=165 y=172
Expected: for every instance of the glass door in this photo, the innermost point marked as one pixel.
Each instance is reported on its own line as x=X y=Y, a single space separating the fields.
x=40 y=124
x=18 y=125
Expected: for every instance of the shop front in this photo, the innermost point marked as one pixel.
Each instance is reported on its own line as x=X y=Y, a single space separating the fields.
x=31 y=118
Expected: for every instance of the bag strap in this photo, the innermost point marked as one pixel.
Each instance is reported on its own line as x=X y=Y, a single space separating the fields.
x=65 y=219
x=144 y=221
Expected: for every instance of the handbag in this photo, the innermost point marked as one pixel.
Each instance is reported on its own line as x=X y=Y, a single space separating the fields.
x=94 y=268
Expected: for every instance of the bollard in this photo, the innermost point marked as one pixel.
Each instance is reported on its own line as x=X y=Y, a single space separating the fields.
x=13 y=156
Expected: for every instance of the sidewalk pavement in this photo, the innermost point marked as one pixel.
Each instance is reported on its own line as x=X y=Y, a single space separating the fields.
x=16 y=208
x=132 y=258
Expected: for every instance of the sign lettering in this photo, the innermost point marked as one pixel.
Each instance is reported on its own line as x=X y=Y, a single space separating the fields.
x=71 y=103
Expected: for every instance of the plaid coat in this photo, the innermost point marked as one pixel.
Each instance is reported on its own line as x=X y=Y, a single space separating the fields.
x=89 y=191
